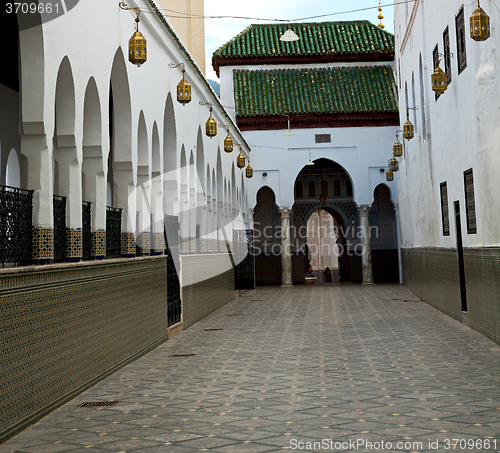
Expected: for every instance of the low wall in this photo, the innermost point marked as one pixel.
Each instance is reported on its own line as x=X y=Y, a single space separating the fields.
x=207 y=284
x=432 y=275
x=65 y=327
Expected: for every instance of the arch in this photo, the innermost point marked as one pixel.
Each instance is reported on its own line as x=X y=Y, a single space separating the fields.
x=156 y=167
x=200 y=158
x=142 y=145
x=13 y=170
x=169 y=152
x=93 y=182
x=65 y=100
x=122 y=110
x=169 y=137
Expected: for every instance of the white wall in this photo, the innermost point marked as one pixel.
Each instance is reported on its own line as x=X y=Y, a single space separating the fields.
x=462 y=126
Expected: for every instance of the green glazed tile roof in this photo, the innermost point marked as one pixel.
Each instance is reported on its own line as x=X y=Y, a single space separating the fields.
x=323 y=38
x=360 y=89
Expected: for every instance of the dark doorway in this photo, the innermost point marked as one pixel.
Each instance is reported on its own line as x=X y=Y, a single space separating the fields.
x=460 y=251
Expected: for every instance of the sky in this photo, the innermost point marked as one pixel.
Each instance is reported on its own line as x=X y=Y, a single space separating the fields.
x=220 y=31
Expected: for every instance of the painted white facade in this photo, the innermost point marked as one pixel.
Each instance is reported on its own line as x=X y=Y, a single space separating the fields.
x=62 y=133
x=457 y=132
x=361 y=151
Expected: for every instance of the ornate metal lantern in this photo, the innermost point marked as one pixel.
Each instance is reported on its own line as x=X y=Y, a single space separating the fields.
x=397 y=148
x=241 y=161
x=389 y=175
x=228 y=141
x=394 y=165
x=211 y=126
x=249 y=171
x=408 y=129
x=183 y=88
x=479 y=24
x=439 y=80
x=137 y=44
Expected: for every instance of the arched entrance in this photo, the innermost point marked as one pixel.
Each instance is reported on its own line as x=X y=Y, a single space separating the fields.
x=326 y=245
x=324 y=198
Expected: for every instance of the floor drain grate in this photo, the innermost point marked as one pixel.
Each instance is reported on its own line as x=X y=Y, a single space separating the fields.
x=182 y=355
x=99 y=404
x=212 y=330
x=237 y=314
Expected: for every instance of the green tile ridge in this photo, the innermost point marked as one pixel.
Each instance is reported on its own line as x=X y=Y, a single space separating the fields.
x=316 y=38
x=358 y=89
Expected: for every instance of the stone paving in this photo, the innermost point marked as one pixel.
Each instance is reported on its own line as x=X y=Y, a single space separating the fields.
x=339 y=365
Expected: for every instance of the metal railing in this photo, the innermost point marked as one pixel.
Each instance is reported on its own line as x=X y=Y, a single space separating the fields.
x=113 y=232
x=59 y=206
x=16 y=207
x=86 y=230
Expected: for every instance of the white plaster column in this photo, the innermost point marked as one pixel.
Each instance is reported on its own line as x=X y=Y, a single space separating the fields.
x=366 y=257
x=286 y=249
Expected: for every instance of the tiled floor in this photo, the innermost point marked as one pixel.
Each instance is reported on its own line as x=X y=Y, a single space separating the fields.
x=335 y=365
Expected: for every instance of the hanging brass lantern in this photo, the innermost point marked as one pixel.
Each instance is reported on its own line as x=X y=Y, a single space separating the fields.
x=397 y=148
x=439 y=80
x=184 y=90
x=228 y=143
x=137 y=44
x=408 y=129
x=211 y=126
x=394 y=165
x=479 y=24
x=241 y=161
x=249 y=171
x=389 y=175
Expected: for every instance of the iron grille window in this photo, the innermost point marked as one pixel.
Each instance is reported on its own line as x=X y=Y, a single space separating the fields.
x=460 y=29
x=435 y=59
x=311 y=189
x=447 y=54
x=16 y=208
x=337 y=188
x=445 y=214
x=470 y=205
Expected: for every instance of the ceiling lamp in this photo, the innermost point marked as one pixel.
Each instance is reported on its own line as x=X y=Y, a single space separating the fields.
x=137 y=44
x=211 y=124
x=289 y=36
x=394 y=165
x=289 y=132
x=439 y=79
x=249 y=171
x=479 y=24
x=380 y=15
x=389 y=175
x=397 y=148
x=183 y=88
x=408 y=129
x=240 y=160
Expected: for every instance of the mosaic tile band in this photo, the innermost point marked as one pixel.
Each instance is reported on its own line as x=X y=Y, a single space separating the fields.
x=102 y=313
x=98 y=250
x=74 y=245
x=43 y=245
x=128 y=245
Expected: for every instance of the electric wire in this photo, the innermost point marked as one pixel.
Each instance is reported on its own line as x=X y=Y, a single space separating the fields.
x=202 y=16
